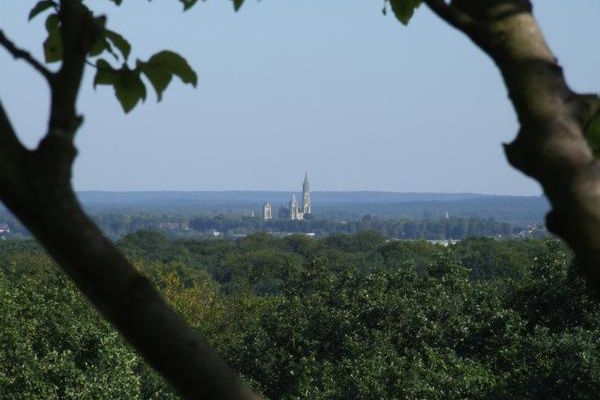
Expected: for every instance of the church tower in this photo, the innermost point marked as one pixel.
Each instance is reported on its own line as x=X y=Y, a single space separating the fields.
x=294 y=212
x=306 y=209
x=267 y=211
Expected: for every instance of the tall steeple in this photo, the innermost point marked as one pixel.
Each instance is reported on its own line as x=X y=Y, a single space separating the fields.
x=306 y=209
x=305 y=184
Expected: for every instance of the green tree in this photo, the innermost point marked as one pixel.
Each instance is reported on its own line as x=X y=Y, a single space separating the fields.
x=53 y=346
x=36 y=186
x=555 y=145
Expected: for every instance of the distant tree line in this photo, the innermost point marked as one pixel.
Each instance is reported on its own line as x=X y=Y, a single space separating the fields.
x=116 y=224
x=431 y=229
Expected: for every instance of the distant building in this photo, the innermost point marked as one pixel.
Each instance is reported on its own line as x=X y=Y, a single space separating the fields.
x=306 y=208
x=267 y=211
x=295 y=211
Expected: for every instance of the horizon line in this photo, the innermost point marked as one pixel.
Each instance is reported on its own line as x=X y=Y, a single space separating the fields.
x=312 y=191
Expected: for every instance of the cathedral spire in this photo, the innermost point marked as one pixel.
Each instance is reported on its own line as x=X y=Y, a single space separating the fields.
x=305 y=184
x=306 y=208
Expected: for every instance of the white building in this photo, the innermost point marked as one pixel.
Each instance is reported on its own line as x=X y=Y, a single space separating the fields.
x=295 y=211
x=267 y=211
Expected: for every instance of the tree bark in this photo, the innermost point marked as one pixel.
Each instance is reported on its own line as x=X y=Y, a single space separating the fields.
x=550 y=145
x=36 y=186
x=50 y=210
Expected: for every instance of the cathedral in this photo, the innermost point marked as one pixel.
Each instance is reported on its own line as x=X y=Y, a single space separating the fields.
x=295 y=211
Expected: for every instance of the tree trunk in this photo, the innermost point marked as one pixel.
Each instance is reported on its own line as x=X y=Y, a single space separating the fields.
x=48 y=207
x=551 y=145
x=36 y=186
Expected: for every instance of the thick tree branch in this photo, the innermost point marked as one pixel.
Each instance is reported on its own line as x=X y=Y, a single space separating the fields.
x=79 y=33
x=12 y=153
x=25 y=56
x=124 y=296
x=550 y=145
x=8 y=137
x=454 y=16
x=39 y=193
x=588 y=109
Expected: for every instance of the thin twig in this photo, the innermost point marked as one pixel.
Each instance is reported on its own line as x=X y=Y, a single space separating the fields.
x=26 y=56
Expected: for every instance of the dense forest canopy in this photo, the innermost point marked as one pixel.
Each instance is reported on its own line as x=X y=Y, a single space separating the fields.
x=449 y=335
x=349 y=316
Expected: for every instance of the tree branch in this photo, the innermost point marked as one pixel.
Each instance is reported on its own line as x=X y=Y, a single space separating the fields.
x=25 y=56
x=125 y=297
x=11 y=153
x=8 y=137
x=455 y=17
x=79 y=34
x=550 y=146
x=588 y=107
x=46 y=204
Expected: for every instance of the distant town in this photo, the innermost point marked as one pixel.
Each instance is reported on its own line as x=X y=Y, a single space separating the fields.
x=439 y=218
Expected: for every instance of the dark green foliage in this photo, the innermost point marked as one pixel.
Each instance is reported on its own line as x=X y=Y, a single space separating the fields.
x=126 y=81
x=53 y=345
x=430 y=229
x=40 y=7
x=53 y=46
x=153 y=245
x=119 y=42
x=404 y=9
x=489 y=259
x=350 y=316
x=161 y=67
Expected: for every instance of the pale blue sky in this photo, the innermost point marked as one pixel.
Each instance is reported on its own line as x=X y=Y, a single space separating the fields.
x=328 y=86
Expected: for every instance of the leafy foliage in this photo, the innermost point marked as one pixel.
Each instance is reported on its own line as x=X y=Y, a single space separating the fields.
x=404 y=9
x=40 y=7
x=53 y=46
x=161 y=67
x=126 y=81
x=346 y=317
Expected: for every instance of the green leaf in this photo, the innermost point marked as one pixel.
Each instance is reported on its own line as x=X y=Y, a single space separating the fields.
x=119 y=42
x=128 y=86
x=99 y=47
x=105 y=73
x=176 y=64
x=40 y=7
x=53 y=45
x=158 y=76
x=187 y=4
x=404 y=9
x=237 y=4
x=117 y=2
x=161 y=67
